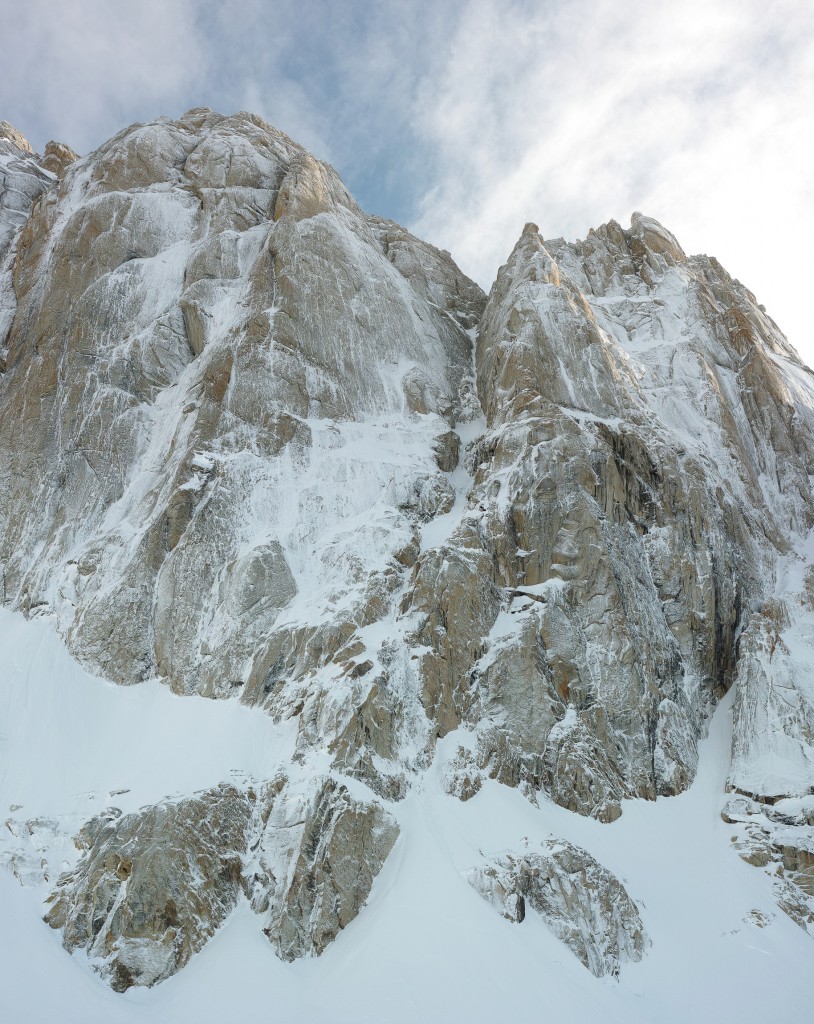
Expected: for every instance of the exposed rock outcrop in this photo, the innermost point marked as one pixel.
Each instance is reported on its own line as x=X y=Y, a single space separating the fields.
x=313 y=861
x=771 y=778
x=582 y=903
x=224 y=345
x=23 y=180
x=150 y=889
x=57 y=158
x=616 y=535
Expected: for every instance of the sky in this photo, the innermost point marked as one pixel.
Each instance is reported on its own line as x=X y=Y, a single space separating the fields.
x=464 y=119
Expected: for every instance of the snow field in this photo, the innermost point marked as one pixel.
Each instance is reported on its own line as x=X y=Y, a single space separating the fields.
x=426 y=947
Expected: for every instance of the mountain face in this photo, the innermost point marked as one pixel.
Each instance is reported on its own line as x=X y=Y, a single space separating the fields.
x=268 y=449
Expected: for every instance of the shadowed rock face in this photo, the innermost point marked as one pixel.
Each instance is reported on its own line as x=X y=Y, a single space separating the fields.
x=263 y=446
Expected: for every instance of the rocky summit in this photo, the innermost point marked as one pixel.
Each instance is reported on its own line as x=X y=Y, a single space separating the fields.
x=269 y=450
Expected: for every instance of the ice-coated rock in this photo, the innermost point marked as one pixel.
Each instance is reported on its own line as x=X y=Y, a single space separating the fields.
x=582 y=903
x=313 y=858
x=152 y=888
x=263 y=446
x=771 y=777
x=250 y=372
x=773 y=734
x=23 y=179
x=779 y=838
x=623 y=520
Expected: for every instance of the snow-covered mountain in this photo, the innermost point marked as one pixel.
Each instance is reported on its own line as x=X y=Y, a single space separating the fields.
x=420 y=602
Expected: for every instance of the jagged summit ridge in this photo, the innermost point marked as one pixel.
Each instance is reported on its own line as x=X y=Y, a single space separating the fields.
x=267 y=448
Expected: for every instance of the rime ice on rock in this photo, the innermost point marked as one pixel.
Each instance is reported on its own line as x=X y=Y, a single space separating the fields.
x=267 y=448
x=581 y=902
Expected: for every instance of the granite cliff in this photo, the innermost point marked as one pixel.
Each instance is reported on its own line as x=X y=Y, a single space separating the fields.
x=269 y=449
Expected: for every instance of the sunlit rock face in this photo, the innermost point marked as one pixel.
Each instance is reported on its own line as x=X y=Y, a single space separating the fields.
x=264 y=447
x=647 y=459
x=230 y=376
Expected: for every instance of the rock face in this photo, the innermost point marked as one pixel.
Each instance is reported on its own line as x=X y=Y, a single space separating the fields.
x=773 y=746
x=264 y=447
x=22 y=181
x=176 y=319
x=582 y=903
x=151 y=888
x=615 y=536
x=313 y=861
x=779 y=837
x=771 y=776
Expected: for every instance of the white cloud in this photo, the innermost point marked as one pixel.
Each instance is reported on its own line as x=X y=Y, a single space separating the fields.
x=476 y=115
x=697 y=112
x=80 y=71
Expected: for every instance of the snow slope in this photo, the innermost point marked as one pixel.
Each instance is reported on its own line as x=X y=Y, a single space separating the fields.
x=427 y=947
